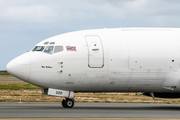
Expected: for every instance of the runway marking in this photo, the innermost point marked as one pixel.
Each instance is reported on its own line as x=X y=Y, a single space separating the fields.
x=88 y=119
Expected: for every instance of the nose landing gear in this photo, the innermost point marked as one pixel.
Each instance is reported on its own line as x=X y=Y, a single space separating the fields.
x=68 y=103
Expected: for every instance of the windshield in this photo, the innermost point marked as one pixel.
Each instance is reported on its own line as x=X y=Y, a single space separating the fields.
x=38 y=48
x=49 y=49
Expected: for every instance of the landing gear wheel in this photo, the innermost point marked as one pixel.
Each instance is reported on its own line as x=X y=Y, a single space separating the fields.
x=63 y=103
x=68 y=103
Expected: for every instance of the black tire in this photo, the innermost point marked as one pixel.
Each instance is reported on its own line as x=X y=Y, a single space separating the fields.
x=69 y=103
x=63 y=103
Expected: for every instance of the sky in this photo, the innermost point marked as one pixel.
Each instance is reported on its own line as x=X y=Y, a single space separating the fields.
x=24 y=23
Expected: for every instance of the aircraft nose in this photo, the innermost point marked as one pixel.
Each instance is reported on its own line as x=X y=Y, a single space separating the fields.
x=20 y=67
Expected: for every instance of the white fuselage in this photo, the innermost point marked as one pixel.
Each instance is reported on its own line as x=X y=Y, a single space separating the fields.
x=105 y=60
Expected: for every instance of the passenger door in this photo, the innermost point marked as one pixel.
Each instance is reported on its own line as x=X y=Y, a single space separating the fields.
x=95 y=51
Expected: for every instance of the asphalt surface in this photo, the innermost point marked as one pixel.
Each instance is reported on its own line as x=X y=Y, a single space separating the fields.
x=83 y=111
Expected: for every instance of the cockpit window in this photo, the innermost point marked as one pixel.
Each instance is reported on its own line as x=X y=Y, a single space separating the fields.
x=46 y=43
x=38 y=48
x=52 y=42
x=49 y=49
x=58 y=49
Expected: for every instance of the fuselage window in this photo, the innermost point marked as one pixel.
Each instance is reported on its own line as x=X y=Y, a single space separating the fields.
x=38 y=48
x=58 y=49
x=49 y=49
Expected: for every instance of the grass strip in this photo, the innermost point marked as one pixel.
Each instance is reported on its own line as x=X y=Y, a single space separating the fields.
x=13 y=91
x=17 y=85
x=6 y=76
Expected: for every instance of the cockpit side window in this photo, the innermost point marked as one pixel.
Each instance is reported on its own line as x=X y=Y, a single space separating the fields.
x=49 y=49
x=38 y=48
x=58 y=49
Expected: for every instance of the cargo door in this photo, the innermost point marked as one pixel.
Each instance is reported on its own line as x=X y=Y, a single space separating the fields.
x=95 y=51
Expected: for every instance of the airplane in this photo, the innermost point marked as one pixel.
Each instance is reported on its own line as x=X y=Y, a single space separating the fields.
x=145 y=60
